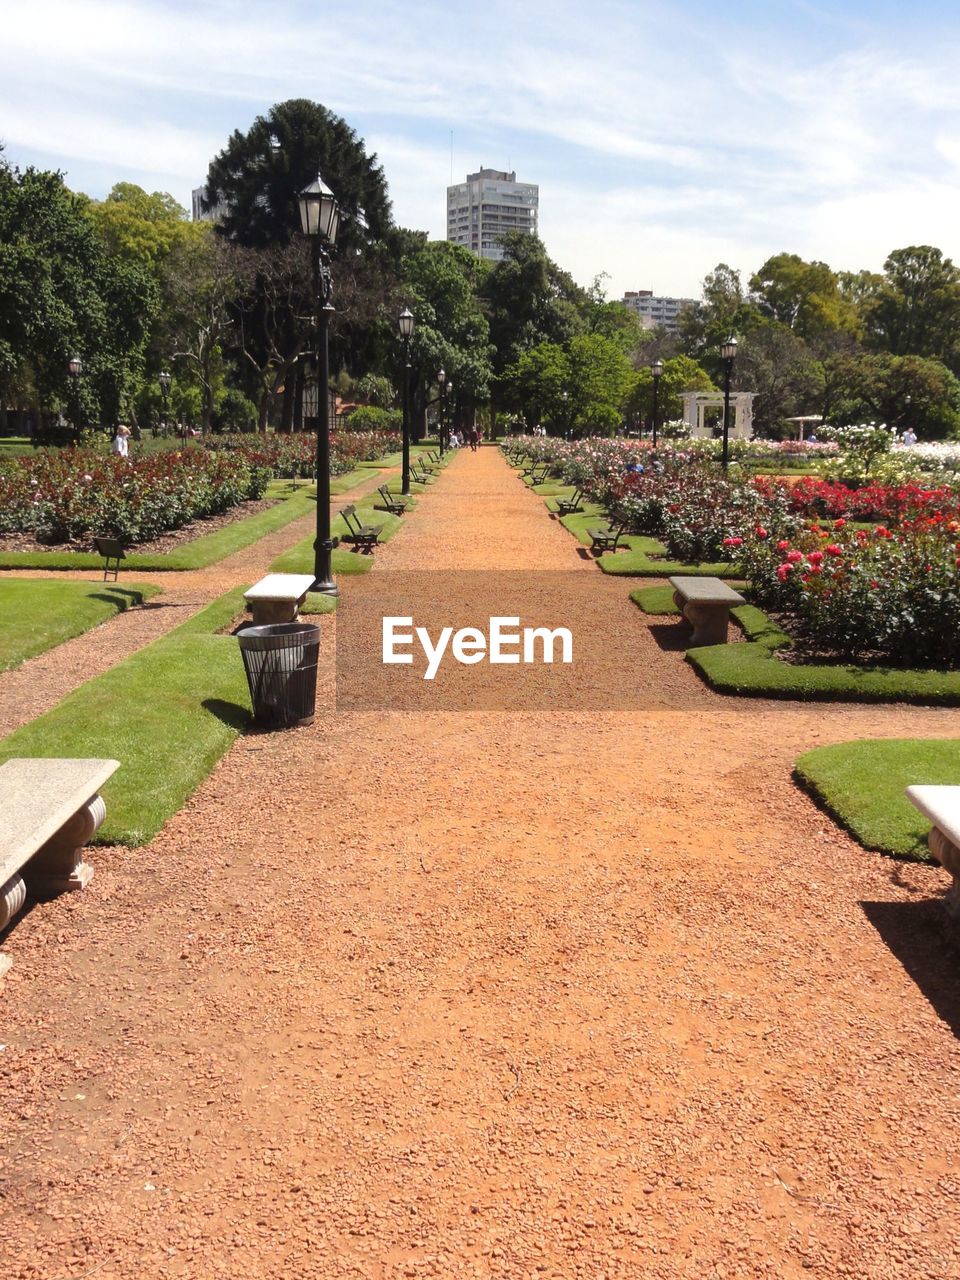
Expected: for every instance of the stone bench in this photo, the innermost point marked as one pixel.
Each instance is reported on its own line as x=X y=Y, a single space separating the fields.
x=278 y=597
x=706 y=605
x=942 y=806
x=50 y=809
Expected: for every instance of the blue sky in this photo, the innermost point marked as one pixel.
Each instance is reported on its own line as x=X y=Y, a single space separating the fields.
x=665 y=137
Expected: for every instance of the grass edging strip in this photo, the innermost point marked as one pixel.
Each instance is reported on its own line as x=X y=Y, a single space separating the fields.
x=861 y=784
x=167 y=713
x=39 y=614
x=299 y=558
x=752 y=669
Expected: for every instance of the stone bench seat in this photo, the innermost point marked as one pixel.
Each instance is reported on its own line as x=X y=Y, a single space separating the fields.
x=278 y=597
x=942 y=806
x=50 y=809
x=706 y=605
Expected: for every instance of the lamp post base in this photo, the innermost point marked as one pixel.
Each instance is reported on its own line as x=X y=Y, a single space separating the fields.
x=324 y=581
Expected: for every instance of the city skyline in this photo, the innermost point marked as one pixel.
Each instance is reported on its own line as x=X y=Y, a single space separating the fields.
x=827 y=130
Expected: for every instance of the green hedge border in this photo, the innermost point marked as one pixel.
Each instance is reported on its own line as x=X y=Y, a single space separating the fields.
x=862 y=785
x=752 y=669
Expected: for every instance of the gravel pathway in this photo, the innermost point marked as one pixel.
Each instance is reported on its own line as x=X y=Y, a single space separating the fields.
x=567 y=993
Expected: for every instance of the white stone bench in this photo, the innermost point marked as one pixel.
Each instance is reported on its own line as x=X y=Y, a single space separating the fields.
x=278 y=597
x=50 y=809
x=706 y=605
x=942 y=806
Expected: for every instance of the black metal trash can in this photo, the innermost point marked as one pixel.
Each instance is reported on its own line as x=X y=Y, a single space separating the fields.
x=281 y=665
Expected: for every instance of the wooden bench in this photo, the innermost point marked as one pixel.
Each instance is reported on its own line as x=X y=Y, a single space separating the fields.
x=942 y=806
x=420 y=472
x=706 y=605
x=112 y=551
x=570 y=506
x=539 y=473
x=363 y=536
x=607 y=537
x=50 y=808
x=394 y=503
x=277 y=597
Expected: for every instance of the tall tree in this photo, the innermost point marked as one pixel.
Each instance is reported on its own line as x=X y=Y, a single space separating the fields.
x=63 y=294
x=803 y=296
x=529 y=300
x=916 y=309
x=253 y=185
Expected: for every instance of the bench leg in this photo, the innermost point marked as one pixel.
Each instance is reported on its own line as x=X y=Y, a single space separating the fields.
x=59 y=867
x=710 y=622
x=267 y=613
x=948 y=855
x=13 y=895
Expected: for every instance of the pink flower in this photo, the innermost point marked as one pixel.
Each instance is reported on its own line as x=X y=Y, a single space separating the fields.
x=733 y=542
x=784 y=571
x=815 y=557
x=834 y=549
x=760 y=531
x=794 y=556
x=782 y=544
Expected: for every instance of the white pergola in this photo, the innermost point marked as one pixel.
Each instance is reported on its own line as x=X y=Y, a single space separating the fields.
x=741 y=402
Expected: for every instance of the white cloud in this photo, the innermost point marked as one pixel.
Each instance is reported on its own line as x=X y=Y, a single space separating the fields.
x=662 y=143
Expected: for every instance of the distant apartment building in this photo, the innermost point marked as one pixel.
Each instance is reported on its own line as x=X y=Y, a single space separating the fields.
x=657 y=313
x=488 y=204
x=200 y=214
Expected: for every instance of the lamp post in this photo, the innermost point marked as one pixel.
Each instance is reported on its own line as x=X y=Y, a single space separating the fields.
x=320 y=221
x=74 y=369
x=656 y=369
x=405 y=325
x=565 y=397
x=728 y=353
x=164 y=392
x=442 y=384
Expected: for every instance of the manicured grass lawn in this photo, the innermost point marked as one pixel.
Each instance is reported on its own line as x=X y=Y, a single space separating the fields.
x=38 y=615
x=862 y=785
x=167 y=713
x=753 y=669
x=15 y=446
x=639 y=561
x=299 y=559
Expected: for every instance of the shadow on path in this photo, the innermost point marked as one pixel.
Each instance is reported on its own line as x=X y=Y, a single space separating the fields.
x=919 y=935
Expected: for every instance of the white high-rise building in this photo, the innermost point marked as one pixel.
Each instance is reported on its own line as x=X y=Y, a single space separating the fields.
x=657 y=313
x=488 y=204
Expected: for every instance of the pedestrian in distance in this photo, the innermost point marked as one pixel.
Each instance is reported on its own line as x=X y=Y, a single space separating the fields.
x=120 y=444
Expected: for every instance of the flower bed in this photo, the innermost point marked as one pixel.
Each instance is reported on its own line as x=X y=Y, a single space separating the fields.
x=294 y=456
x=68 y=495
x=890 y=594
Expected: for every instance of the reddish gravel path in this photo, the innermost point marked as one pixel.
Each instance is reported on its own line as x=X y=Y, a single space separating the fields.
x=42 y=682
x=555 y=994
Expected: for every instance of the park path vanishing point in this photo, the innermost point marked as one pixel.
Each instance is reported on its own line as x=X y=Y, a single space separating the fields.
x=544 y=994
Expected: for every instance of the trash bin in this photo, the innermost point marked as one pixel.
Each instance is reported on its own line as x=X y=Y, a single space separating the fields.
x=281 y=665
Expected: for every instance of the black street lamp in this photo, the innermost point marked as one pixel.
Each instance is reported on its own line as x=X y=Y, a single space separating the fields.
x=405 y=325
x=442 y=384
x=656 y=369
x=728 y=353
x=565 y=397
x=74 y=369
x=165 y=381
x=320 y=221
